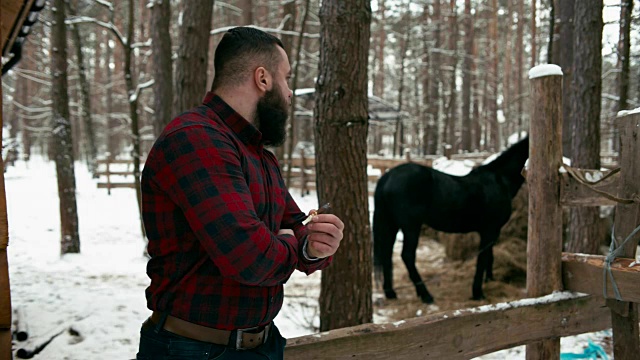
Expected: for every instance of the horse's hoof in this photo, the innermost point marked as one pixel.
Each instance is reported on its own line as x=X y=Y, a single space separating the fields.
x=390 y=294
x=427 y=299
x=478 y=297
x=489 y=278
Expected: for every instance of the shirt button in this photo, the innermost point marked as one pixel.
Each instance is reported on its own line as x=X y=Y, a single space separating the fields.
x=271 y=300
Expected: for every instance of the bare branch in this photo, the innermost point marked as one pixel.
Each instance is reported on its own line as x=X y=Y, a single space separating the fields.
x=104 y=3
x=134 y=96
x=109 y=26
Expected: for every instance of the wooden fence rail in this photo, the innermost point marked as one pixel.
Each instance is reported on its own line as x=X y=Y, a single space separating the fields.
x=459 y=334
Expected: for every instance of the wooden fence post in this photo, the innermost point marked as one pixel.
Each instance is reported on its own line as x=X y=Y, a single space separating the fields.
x=624 y=315
x=544 y=246
x=108 y=171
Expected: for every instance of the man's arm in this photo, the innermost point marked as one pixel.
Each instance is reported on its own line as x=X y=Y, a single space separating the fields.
x=292 y=219
x=202 y=174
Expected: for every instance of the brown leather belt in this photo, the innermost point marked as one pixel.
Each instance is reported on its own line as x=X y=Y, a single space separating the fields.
x=241 y=339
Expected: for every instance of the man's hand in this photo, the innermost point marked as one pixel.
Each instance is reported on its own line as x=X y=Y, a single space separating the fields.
x=324 y=235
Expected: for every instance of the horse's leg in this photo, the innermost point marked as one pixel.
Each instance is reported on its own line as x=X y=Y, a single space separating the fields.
x=387 y=270
x=409 y=247
x=489 y=269
x=387 y=237
x=485 y=260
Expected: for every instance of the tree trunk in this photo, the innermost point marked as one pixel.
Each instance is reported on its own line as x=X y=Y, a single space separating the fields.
x=162 y=64
x=586 y=86
x=111 y=123
x=534 y=46
x=520 y=66
x=91 y=148
x=288 y=10
x=467 y=77
x=378 y=80
x=434 y=104
x=450 y=124
x=494 y=131
x=132 y=98
x=61 y=139
x=508 y=60
x=247 y=12
x=426 y=80
x=398 y=139
x=193 y=58
x=341 y=118
x=624 y=48
x=294 y=85
x=475 y=122
x=566 y=63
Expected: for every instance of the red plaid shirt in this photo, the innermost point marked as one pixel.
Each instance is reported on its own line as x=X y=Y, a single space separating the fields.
x=213 y=200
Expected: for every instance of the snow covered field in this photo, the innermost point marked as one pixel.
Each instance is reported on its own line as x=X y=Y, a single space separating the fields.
x=99 y=293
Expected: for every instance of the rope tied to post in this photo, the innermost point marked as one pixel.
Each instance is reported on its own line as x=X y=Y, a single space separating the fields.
x=614 y=249
x=614 y=252
x=591 y=185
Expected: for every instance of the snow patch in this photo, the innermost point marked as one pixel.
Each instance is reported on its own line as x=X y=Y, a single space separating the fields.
x=544 y=70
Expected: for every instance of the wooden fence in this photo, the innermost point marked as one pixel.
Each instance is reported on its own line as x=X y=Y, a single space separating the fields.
x=542 y=319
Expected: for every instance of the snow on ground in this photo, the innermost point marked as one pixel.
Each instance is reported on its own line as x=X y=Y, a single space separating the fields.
x=99 y=293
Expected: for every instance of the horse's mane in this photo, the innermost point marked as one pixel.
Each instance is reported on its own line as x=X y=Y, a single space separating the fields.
x=510 y=160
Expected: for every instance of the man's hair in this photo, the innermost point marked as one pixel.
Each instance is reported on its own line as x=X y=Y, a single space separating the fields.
x=242 y=50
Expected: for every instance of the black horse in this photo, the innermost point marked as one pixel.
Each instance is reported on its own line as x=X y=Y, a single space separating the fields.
x=410 y=195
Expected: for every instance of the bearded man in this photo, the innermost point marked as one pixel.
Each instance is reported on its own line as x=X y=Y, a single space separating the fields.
x=224 y=232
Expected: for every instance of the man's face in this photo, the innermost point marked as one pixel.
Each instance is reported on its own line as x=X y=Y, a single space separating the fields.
x=273 y=108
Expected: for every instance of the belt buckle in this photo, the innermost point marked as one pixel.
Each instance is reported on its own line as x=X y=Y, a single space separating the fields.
x=239 y=333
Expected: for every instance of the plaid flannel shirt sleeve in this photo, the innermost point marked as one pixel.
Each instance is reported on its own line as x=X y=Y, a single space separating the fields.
x=202 y=174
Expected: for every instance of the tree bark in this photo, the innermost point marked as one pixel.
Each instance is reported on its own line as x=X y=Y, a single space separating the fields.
x=132 y=99
x=586 y=87
x=247 y=12
x=426 y=80
x=451 y=113
x=341 y=117
x=508 y=60
x=398 y=139
x=434 y=92
x=378 y=80
x=86 y=119
x=193 y=58
x=534 y=42
x=61 y=139
x=162 y=69
x=294 y=85
x=566 y=42
x=519 y=66
x=624 y=49
x=288 y=10
x=494 y=131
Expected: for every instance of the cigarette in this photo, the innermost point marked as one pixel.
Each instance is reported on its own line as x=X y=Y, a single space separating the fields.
x=323 y=209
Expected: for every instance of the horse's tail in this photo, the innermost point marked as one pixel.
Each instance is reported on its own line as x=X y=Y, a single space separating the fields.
x=380 y=216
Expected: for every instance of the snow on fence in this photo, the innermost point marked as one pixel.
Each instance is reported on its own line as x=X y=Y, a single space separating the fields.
x=554 y=309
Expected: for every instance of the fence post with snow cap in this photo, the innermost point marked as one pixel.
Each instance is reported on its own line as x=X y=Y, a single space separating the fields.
x=544 y=244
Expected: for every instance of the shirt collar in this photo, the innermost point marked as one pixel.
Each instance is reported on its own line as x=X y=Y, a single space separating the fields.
x=247 y=132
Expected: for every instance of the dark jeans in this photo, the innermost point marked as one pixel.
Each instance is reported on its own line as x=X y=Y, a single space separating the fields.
x=160 y=344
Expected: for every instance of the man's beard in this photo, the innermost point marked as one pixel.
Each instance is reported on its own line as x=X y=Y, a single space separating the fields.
x=272 y=113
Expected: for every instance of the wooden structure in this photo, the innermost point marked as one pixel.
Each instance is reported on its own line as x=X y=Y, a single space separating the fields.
x=541 y=320
x=105 y=169
x=16 y=18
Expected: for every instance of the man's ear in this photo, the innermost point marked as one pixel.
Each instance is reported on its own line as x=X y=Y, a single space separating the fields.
x=262 y=79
